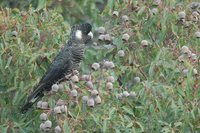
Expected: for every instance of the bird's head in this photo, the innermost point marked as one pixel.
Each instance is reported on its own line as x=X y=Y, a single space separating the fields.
x=82 y=33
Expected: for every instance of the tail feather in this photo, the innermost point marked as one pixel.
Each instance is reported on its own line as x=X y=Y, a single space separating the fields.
x=34 y=96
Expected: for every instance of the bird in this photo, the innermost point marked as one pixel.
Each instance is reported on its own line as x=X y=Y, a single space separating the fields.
x=67 y=60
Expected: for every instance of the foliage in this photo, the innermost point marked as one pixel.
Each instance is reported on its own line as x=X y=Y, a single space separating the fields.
x=166 y=98
x=73 y=11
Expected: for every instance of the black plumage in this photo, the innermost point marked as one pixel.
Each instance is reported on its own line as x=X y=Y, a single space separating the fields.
x=64 y=63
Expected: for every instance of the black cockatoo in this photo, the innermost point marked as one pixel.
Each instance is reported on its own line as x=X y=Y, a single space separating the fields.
x=64 y=63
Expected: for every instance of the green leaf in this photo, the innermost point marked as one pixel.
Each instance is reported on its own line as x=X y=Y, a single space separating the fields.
x=8 y=62
x=111 y=112
x=127 y=110
x=41 y=4
x=66 y=127
x=104 y=125
x=141 y=11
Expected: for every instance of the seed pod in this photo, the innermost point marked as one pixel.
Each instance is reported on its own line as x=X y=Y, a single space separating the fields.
x=185 y=50
x=195 y=14
x=181 y=58
x=95 y=66
x=125 y=18
x=125 y=37
x=132 y=94
x=194 y=5
x=60 y=102
x=86 y=77
x=43 y=117
x=95 y=43
x=39 y=104
x=195 y=71
x=197 y=34
x=90 y=102
x=109 y=85
x=74 y=93
x=97 y=100
x=44 y=105
x=61 y=87
x=57 y=110
x=63 y=108
x=101 y=30
x=194 y=56
x=144 y=43
x=76 y=72
x=106 y=64
x=48 y=124
x=89 y=84
x=85 y=99
x=42 y=126
x=57 y=129
x=185 y=72
x=154 y=11
x=14 y=33
x=101 y=38
x=121 y=53
x=111 y=64
x=94 y=93
x=119 y=96
x=181 y=15
x=75 y=79
x=111 y=79
x=115 y=13
x=125 y=94
x=107 y=38
x=54 y=88
x=137 y=79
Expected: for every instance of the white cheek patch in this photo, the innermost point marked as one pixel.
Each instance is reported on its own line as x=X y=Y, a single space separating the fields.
x=78 y=34
x=90 y=34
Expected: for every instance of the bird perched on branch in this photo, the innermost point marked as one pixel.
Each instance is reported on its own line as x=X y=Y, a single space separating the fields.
x=64 y=63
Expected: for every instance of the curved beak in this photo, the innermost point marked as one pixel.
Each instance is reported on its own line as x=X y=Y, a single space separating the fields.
x=90 y=34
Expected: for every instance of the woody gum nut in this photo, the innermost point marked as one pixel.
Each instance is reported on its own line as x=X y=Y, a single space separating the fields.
x=54 y=87
x=94 y=93
x=63 y=108
x=57 y=110
x=125 y=37
x=74 y=93
x=111 y=79
x=43 y=117
x=57 y=129
x=39 y=104
x=144 y=43
x=125 y=94
x=95 y=66
x=101 y=30
x=125 y=18
x=97 y=100
x=90 y=102
x=89 y=84
x=48 y=124
x=75 y=79
x=85 y=99
x=60 y=102
x=115 y=13
x=101 y=38
x=44 y=105
x=121 y=53
x=109 y=85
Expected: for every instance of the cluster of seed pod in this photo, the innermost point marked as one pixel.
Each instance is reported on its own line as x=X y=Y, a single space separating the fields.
x=46 y=124
x=186 y=53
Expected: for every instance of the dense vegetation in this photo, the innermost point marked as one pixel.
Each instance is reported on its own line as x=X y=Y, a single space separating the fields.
x=140 y=73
